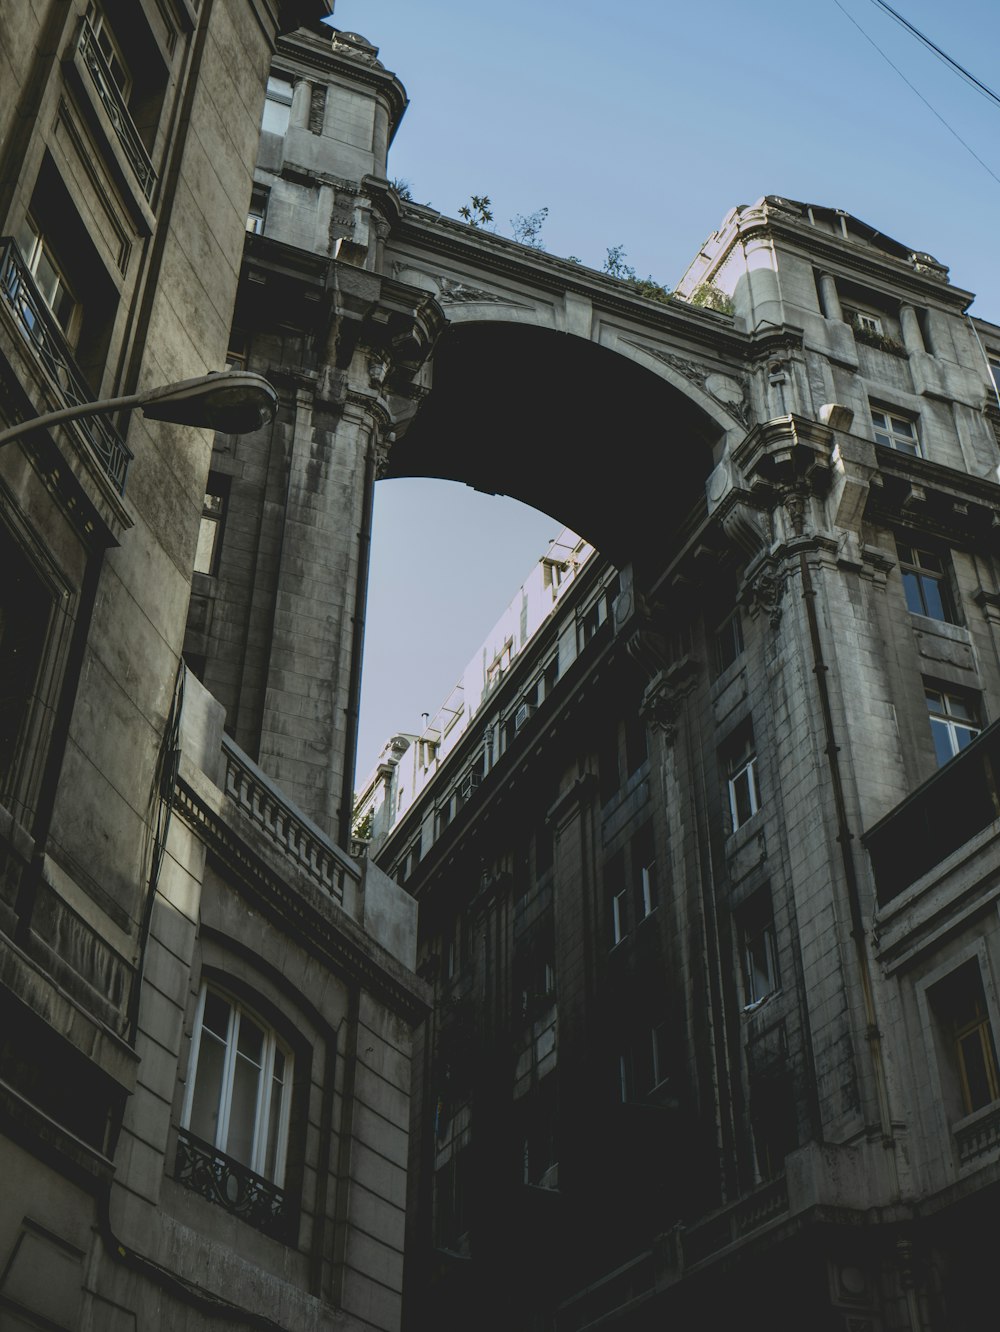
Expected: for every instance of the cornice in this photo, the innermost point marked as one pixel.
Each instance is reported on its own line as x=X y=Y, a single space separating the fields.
x=297 y=908
x=309 y=49
x=848 y=258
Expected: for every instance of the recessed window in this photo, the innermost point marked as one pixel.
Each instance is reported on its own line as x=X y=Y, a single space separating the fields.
x=52 y=284
x=758 y=947
x=25 y=610
x=277 y=106
x=239 y=1087
x=994 y=363
x=869 y=323
x=647 y=897
x=925 y=583
x=642 y=1065
x=896 y=432
x=954 y=721
x=451 y=1195
x=616 y=898
x=744 y=792
x=213 y=515
x=257 y=210
x=110 y=49
x=729 y=643
x=959 y=1003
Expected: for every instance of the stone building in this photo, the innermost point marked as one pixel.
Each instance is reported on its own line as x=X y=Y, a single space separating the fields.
x=706 y=863
x=205 y=1003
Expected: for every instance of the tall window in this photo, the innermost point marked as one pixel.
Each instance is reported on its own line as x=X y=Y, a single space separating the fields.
x=642 y=1064
x=960 y=1006
x=728 y=641
x=925 y=583
x=616 y=898
x=896 y=432
x=213 y=514
x=25 y=610
x=954 y=722
x=109 y=48
x=277 y=106
x=757 y=943
x=49 y=278
x=647 y=896
x=744 y=793
x=239 y=1088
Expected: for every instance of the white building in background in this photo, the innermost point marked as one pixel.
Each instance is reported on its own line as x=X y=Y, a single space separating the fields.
x=408 y=763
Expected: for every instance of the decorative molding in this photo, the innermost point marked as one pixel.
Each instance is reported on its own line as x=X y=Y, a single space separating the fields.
x=451 y=292
x=712 y=383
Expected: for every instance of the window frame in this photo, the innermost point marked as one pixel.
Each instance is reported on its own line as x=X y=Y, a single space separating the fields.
x=949 y=723
x=742 y=762
x=901 y=442
x=758 y=942
x=274 y=97
x=917 y=576
x=272 y=1044
x=213 y=523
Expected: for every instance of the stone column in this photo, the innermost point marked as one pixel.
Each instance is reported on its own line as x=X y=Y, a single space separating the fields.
x=830 y=297
x=913 y=339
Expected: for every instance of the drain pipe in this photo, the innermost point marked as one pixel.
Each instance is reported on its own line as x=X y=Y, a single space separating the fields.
x=845 y=837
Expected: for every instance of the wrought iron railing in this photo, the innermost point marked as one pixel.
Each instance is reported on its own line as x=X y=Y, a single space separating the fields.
x=118 y=112
x=215 y=1176
x=288 y=828
x=39 y=329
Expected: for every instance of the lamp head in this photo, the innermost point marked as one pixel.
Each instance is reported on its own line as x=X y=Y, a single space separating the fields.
x=234 y=402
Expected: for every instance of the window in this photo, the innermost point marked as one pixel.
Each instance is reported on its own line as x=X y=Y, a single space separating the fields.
x=758 y=947
x=954 y=722
x=728 y=641
x=642 y=1066
x=644 y=873
x=213 y=514
x=959 y=1003
x=52 y=285
x=108 y=46
x=925 y=584
x=238 y=1093
x=258 y=210
x=451 y=1190
x=896 y=432
x=277 y=106
x=616 y=897
x=744 y=794
x=868 y=323
x=25 y=610
x=994 y=363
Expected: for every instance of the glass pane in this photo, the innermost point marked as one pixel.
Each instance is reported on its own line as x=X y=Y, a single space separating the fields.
x=902 y=427
x=216 y=1015
x=273 y=1130
x=911 y=590
x=251 y=1039
x=879 y=421
x=243 y=1111
x=204 y=558
x=973 y=1056
x=958 y=707
x=933 y=599
x=207 y=1087
x=964 y=735
x=276 y=117
x=943 y=747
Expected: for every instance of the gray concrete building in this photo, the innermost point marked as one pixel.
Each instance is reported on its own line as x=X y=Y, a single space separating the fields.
x=205 y=1003
x=694 y=1048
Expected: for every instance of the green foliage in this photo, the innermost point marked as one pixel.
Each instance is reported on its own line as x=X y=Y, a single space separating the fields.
x=873 y=338
x=404 y=188
x=615 y=266
x=709 y=297
x=478 y=211
x=527 y=229
x=363 y=827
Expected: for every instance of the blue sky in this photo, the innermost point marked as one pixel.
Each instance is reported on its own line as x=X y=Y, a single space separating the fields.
x=642 y=124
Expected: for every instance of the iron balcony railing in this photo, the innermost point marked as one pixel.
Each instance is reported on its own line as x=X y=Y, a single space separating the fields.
x=118 y=112
x=948 y=810
x=35 y=323
x=228 y=1183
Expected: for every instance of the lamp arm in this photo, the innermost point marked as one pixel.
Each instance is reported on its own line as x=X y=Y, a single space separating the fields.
x=73 y=413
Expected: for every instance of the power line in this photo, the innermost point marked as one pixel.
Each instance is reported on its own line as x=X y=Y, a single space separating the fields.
x=917 y=91
x=943 y=55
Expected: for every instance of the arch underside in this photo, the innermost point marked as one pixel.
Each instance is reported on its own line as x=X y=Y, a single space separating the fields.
x=572 y=428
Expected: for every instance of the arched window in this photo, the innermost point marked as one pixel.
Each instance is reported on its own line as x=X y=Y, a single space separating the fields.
x=239 y=1086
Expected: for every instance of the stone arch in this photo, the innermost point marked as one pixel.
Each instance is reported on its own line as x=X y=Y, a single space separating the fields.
x=615 y=445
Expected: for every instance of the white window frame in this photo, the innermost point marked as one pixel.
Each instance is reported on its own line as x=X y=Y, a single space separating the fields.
x=277 y=106
x=743 y=765
x=271 y=1045
x=950 y=723
x=110 y=48
x=35 y=248
x=896 y=430
x=619 y=916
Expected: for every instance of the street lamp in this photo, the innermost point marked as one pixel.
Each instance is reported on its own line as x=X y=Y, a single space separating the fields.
x=233 y=401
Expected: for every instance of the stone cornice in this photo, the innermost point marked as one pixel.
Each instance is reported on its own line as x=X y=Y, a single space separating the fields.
x=296 y=906
x=320 y=56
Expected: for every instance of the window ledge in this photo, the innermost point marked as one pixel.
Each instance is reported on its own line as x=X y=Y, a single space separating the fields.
x=745 y=832
x=926 y=624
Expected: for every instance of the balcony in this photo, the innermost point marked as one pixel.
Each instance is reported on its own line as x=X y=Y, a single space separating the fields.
x=23 y=303
x=224 y=1181
x=117 y=111
x=948 y=810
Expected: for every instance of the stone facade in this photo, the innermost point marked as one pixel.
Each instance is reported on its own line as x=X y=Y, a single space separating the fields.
x=710 y=932
x=205 y=1004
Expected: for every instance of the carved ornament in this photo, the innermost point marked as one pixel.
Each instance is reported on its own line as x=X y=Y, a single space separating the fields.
x=731 y=393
